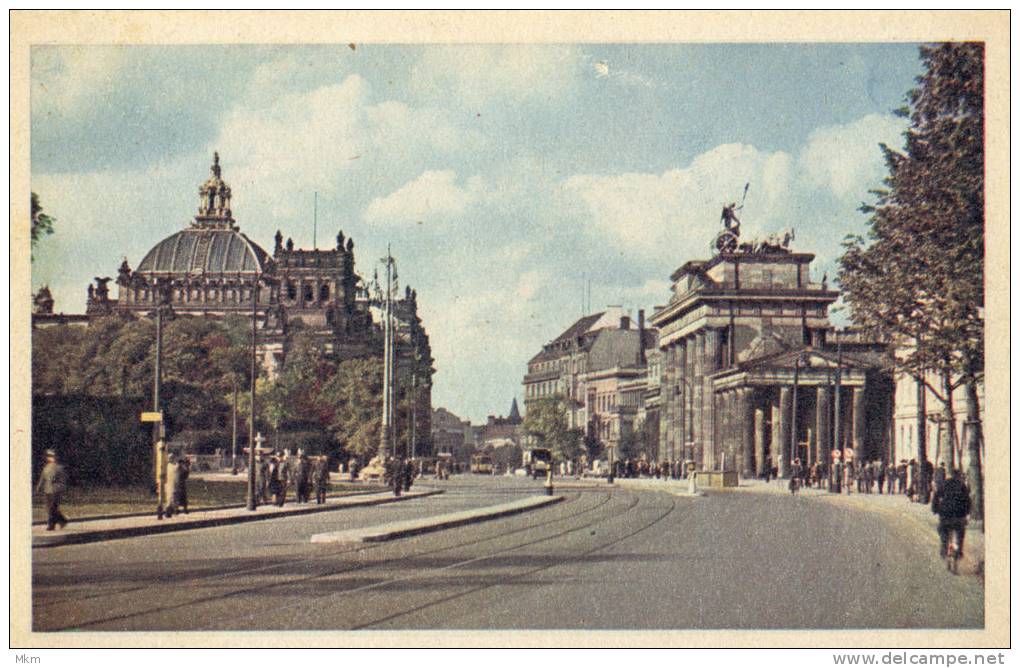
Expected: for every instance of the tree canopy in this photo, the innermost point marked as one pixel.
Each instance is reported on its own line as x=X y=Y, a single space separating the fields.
x=42 y=223
x=918 y=277
x=546 y=422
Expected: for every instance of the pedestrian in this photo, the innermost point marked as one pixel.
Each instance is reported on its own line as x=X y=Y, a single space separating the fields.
x=408 y=474
x=940 y=477
x=795 y=474
x=171 y=484
x=880 y=474
x=302 y=478
x=180 y=489
x=952 y=505
x=273 y=479
x=285 y=473
x=901 y=477
x=262 y=479
x=768 y=469
x=912 y=482
x=321 y=474
x=53 y=483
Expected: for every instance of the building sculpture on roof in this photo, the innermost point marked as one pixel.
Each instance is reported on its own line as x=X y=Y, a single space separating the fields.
x=754 y=376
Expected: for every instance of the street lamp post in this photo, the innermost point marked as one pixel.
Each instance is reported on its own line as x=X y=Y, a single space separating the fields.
x=687 y=395
x=162 y=298
x=252 y=502
x=793 y=418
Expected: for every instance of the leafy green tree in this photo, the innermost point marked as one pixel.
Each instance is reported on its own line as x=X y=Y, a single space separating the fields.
x=546 y=422
x=350 y=404
x=42 y=223
x=919 y=276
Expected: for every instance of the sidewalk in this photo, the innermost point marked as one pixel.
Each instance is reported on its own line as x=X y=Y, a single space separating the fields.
x=126 y=527
x=892 y=505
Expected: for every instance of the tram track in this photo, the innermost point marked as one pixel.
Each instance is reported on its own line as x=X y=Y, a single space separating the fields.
x=291 y=565
x=538 y=569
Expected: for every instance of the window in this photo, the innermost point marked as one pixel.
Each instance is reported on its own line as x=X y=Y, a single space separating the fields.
x=309 y=293
x=324 y=292
x=291 y=290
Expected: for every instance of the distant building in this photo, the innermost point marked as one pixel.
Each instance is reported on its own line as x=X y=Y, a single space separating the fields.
x=906 y=429
x=598 y=367
x=211 y=268
x=452 y=435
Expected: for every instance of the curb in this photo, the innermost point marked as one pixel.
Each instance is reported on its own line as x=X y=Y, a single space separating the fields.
x=428 y=525
x=78 y=538
x=203 y=509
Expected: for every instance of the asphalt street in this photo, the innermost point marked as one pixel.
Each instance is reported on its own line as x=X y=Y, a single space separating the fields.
x=604 y=558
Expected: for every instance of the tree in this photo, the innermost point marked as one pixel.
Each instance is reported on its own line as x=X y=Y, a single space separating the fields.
x=919 y=276
x=42 y=223
x=546 y=422
x=350 y=405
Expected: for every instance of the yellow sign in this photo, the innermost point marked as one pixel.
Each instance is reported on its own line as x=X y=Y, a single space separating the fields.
x=152 y=417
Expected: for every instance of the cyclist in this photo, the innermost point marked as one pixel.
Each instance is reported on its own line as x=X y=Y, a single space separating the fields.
x=952 y=505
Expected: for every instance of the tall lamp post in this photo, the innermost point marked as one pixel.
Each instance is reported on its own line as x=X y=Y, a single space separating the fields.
x=686 y=412
x=793 y=421
x=836 y=483
x=252 y=502
x=387 y=440
x=162 y=296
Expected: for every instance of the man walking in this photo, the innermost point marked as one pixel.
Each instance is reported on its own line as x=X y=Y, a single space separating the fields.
x=180 y=490
x=53 y=483
x=952 y=505
x=321 y=474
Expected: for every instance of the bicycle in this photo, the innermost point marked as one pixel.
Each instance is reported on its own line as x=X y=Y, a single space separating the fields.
x=952 y=556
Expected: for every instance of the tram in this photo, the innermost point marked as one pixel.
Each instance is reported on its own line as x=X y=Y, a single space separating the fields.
x=481 y=464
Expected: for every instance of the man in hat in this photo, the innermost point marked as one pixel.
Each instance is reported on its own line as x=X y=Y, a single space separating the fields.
x=53 y=483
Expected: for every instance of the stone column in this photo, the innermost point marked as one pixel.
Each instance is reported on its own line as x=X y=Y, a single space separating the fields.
x=759 y=441
x=702 y=449
x=711 y=347
x=823 y=437
x=785 y=427
x=726 y=421
x=747 y=424
x=777 y=421
x=857 y=432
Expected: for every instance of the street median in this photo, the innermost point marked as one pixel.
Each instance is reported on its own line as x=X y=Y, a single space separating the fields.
x=128 y=527
x=414 y=527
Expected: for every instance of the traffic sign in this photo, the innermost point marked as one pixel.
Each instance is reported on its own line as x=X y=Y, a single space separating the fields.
x=152 y=416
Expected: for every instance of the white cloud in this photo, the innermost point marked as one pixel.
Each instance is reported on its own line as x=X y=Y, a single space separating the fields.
x=843 y=158
x=431 y=197
x=485 y=73
x=651 y=214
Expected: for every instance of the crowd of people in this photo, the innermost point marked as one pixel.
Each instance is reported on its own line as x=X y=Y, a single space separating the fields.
x=875 y=477
x=278 y=472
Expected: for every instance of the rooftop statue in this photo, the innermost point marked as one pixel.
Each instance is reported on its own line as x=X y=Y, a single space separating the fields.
x=726 y=240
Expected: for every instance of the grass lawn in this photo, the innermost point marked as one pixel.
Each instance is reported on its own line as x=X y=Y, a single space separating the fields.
x=79 y=502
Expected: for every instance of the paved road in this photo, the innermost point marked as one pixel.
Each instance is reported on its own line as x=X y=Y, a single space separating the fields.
x=602 y=559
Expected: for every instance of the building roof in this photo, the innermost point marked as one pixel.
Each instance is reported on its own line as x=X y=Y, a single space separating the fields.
x=579 y=327
x=205 y=250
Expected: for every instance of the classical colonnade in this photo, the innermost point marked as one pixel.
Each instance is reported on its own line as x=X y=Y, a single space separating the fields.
x=755 y=423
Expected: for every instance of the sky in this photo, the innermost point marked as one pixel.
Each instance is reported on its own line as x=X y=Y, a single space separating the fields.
x=504 y=177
